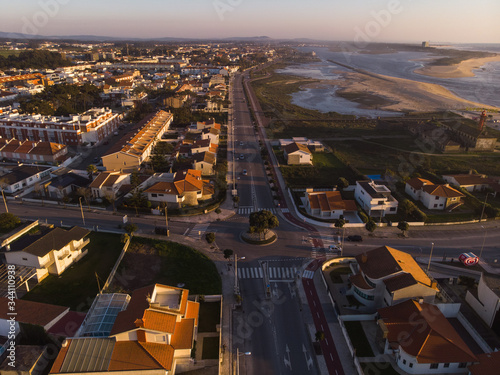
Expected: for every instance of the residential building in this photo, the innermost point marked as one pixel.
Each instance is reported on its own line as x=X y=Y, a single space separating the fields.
x=29 y=151
x=489 y=363
x=36 y=313
x=61 y=186
x=23 y=177
x=107 y=184
x=328 y=204
x=432 y=196
x=89 y=127
x=48 y=251
x=386 y=276
x=205 y=162
x=128 y=154
x=375 y=199
x=470 y=182
x=297 y=153
x=422 y=340
x=154 y=335
x=486 y=302
x=186 y=188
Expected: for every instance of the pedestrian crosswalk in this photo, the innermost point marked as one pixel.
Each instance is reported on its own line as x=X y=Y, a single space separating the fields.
x=249 y=209
x=275 y=273
x=308 y=274
x=198 y=230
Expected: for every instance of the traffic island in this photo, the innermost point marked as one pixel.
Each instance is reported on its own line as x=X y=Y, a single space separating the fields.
x=260 y=239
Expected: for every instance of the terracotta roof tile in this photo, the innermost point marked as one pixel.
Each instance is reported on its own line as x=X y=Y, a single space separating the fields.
x=489 y=363
x=163 y=354
x=433 y=338
x=131 y=355
x=441 y=191
x=183 y=334
x=157 y=321
x=32 y=312
x=193 y=311
x=417 y=183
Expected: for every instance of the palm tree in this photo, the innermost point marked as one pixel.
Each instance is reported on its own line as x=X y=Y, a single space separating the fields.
x=91 y=170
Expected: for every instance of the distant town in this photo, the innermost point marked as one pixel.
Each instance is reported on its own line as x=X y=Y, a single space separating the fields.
x=257 y=206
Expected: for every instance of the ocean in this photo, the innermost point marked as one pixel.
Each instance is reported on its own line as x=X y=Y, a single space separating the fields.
x=482 y=88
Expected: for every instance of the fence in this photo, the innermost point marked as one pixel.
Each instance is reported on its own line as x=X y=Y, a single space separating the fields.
x=115 y=267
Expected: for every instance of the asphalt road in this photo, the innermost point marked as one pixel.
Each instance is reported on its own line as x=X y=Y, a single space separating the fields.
x=269 y=325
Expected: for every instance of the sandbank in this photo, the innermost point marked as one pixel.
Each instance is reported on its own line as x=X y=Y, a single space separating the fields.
x=461 y=70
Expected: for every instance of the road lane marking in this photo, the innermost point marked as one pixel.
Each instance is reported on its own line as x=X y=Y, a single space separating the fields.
x=317 y=314
x=251 y=272
x=260 y=273
x=187 y=230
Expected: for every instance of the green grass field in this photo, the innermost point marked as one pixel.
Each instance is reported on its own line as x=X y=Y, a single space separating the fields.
x=8 y=52
x=209 y=316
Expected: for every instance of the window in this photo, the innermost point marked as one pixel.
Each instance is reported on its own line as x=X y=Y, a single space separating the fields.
x=437 y=198
x=446 y=365
x=404 y=361
x=154 y=195
x=411 y=365
x=392 y=209
x=462 y=365
x=380 y=202
x=25 y=258
x=435 y=205
x=434 y=365
x=363 y=295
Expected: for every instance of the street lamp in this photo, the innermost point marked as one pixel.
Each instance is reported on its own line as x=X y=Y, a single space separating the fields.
x=81 y=209
x=430 y=257
x=484 y=240
x=484 y=206
x=238 y=354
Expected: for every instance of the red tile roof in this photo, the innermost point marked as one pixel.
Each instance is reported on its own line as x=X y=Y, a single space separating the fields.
x=442 y=191
x=423 y=332
x=330 y=201
x=125 y=321
x=489 y=363
x=183 y=334
x=32 y=312
x=417 y=183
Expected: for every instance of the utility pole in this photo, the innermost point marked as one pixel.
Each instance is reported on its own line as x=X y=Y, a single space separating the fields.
x=81 y=209
x=166 y=222
x=5 y=202
x=430 y=257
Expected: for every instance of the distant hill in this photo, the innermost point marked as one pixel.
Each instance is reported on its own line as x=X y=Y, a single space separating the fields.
x=100 y=38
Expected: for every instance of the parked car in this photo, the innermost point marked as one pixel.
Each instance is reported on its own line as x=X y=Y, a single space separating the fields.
x=335 y=249
x=242 y=156
x=244 y=172
x=96 y=160
x=241 y=143
x=355 y=238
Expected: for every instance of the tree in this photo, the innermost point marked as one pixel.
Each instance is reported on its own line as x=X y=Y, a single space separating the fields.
x=130 y=228
x=236 y=199
x=84 y=192
x=371 y=226
x=403 y=226
x=339 y=223
x=91 y=170
x=319 y=336
x=262 y=221
x=8 y=221
x=342 y=183
x=210 y=237
x=228 y=253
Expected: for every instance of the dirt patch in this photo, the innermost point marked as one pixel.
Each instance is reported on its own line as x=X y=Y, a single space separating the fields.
x=139 y=267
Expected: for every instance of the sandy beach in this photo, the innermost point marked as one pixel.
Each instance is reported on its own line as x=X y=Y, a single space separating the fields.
x=463 y=69
x=400 y=95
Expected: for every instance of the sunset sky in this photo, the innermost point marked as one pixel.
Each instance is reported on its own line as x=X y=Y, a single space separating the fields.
x=458 y=21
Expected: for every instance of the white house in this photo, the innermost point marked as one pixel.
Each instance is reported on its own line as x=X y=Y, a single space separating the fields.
x=205 y=162
x=422 y=340
x=107 y=184
x=49 y=251
x=487 y=302
x=297 y=153
x=433 y=197
x=24 y=177
x=187 y=187
x=470 y=182
x=375 y=199
x=328 y=204
x=386 y=276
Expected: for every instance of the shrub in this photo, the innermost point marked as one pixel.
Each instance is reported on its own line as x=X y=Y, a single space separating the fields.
x=210 y=237
x=363 y=216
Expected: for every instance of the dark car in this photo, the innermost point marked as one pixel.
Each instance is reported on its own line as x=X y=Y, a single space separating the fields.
x=355 y=238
